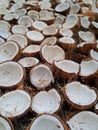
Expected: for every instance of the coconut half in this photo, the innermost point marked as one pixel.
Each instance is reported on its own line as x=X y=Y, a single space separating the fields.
x=62 y=7
x=94 y=54
x=79 y=95
x=52 y=53
x=46 y=121
x=5 y=124
x=65 y=32
x=9 y=51
x=11 y=74
x=85 y=120
x=41 y=76
x=85 y=22
x=14 y=103
x=39 y=25
x=46 y=102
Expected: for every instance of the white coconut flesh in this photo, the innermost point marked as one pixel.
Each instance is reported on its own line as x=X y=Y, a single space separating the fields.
x=85 y=22
x=67 y=40
x=83 y=44
x=67 y=66
x=96 y=106
x=19 y=39
x=80 y=94
x=4 y=33
x=46 y=102
x=35 y=36
x=40 y=25
x=71 y=21
x=66 y=32
x=4 y=4
x=49 y=41
x=94 y=54
x=11 y=74
x=88 y=68
x=5 y=25
x=52 y=53
x=87 y=36
x=14 y=103
x=41 y=76
x=62 y=7
x=95 y=24
x=28 y=61
x=1 y=41
x=8 y=51
x=47 y=122
x=74 y=9
x=84 y=120
x=4 y=124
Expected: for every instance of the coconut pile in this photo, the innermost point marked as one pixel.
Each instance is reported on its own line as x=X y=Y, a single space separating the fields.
x=48 y=65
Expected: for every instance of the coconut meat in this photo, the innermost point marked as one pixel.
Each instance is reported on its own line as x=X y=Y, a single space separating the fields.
x=84 y=120
x=46 y=122
x=14 y=103
x=46 y=102
x=94 y=54
x=80 y=94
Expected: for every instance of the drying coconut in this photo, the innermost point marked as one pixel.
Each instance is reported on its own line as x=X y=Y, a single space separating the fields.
x=20 y=12
x=5 y=124
x=41 y=76
x=1 y=41
x=96 y=108
x=39 y=25
x=35 y=36
x=19 y=39
x=5 y=25
x=66 y=69
x=83 y=120
x=94 y=54
x=25 y=20
x=52 y=53
x=80 y=96
x=15 y=7
x=74 y=8
x=15 y=103
x=47 y=121
x=9 y=51
x=10 y=17
x=11 y=74
x=50 y=30
x=46 y=102
x=4 y=4
x=59 y=20
x=34 y=15
x=85 y=22
x=19 y=29
x=85 y=47
x=45 y=5
x=67 y=43
x=65 y=32
x=28 y=62
x=31 y=50
x=87 y=36
x=4 y=33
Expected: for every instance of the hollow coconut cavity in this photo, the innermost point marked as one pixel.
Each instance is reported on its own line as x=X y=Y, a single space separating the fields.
x=46 y=121
x=5 y=124
x=46 y=102
x=41 y=76
x=80 y=94
x=11 y=74
x=8 y=51
x=84 y=120
x=15 y=103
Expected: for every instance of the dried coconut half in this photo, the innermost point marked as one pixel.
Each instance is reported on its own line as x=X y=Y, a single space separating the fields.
x=47 y=121
x=4 y=33
x=1 y=41
x=46 y=102
x=5 y=25
x=11 y=74
x=65 y=32
x=80 y=96
x=5 y=124
x=19 y=39
x=31 y=50
x=41 y=76
x=94 y=54
x=39 y=25
x=85 y=22
x=66 y=69
x=83 y=121
x=15 y=103
x=52 y=53
x=28 y=62
x=9 y=51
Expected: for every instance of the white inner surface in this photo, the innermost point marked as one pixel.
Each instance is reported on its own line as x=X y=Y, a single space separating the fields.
x=5 y=25
x=62 y=7
x=95 y=24
x=1 y=41
x=52 y=53
x=67 y=40
x=82 y=44
x=19 y=39
x=46 y=122
x=65 y=32
x=80 y=94
x=4 y=33
x=28 y=61
x=8 y=51
x=49 y=41
x=50 y=30
x=46 y=102
x=11 y=73
x=4 y=124
x=39 y=25
x=87 y=36
x=85 y=22
x=88 y=67
x=14 y=103
x=84 y=120
x=32 y=48
x=35 y=36
x=94 y=54
x=41 y=76
x=96 y=106
x=68 y=66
